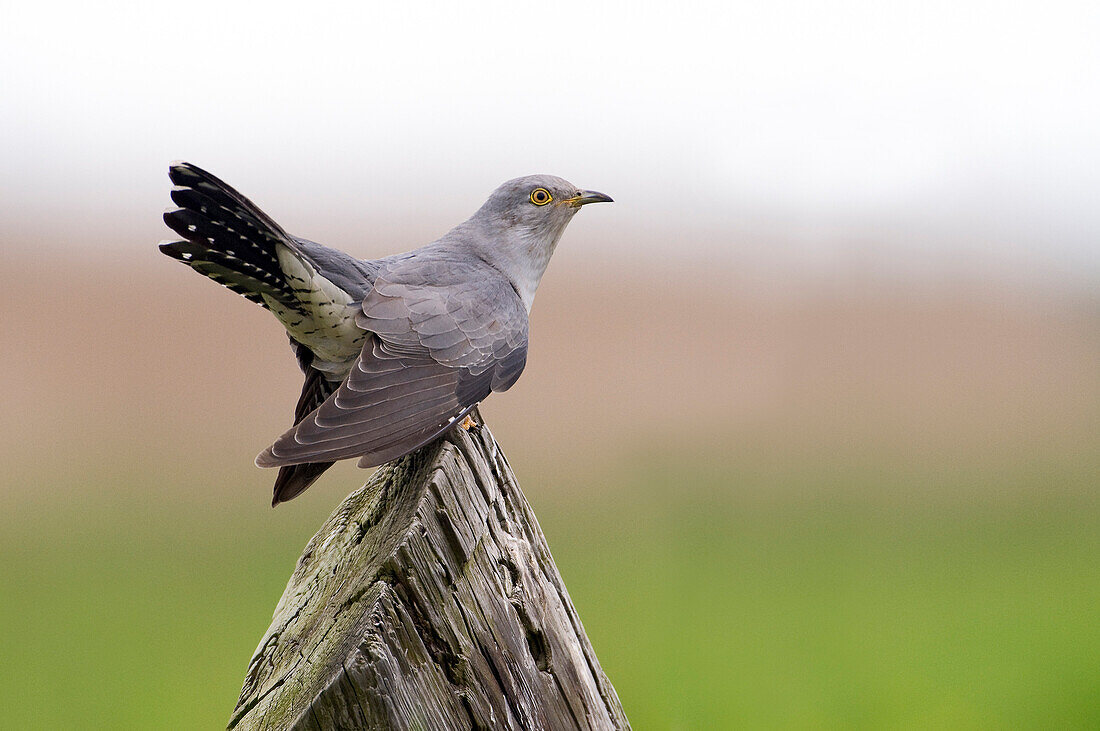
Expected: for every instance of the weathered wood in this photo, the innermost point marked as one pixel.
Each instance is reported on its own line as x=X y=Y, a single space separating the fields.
x=429 y=600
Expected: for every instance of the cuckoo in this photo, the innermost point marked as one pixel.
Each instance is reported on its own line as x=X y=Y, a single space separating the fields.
x=396 y=350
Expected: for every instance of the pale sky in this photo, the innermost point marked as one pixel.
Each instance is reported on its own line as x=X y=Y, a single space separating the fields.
x=931 y=129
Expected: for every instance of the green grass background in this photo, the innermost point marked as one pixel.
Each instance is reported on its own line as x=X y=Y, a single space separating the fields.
x=873 y=511
x=718 y=593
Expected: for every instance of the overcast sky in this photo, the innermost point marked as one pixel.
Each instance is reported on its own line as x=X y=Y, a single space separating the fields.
x=933 y=128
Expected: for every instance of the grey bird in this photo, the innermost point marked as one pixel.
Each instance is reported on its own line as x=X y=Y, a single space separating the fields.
x=396 y=350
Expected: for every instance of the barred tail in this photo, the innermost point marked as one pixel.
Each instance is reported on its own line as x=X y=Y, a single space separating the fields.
x=226 y=237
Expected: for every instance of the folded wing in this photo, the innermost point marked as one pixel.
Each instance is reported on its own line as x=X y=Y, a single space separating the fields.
x=445 y=332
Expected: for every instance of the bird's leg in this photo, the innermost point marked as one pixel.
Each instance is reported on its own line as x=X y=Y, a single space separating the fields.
x=468 y=423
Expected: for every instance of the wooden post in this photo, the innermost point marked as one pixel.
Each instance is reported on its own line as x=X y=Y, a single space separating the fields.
x=429 y=600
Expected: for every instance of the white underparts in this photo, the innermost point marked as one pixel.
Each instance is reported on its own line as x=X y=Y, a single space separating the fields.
x=325 y=320
x=529 y=265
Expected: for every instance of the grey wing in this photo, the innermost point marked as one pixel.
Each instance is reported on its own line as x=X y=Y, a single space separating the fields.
x=445 y=334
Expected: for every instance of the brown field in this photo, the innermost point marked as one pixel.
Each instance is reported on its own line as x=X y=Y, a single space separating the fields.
x=155 y=359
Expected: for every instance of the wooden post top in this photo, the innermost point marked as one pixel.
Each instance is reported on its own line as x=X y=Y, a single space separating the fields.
x=429 y=600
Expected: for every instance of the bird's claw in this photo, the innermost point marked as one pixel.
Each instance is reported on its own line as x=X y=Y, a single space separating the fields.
x=468 y=423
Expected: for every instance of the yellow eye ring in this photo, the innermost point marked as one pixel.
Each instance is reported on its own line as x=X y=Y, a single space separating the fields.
x=541 y=196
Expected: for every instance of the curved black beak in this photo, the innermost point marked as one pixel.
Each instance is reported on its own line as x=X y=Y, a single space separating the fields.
x=591 y=196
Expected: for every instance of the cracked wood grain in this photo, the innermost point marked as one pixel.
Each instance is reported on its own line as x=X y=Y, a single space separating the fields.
x=429 y=600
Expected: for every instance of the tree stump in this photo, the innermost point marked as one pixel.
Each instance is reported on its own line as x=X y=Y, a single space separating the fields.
x=429 y=600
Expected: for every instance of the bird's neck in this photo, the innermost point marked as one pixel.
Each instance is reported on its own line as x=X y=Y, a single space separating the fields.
x=519 y=253
x=529 y=255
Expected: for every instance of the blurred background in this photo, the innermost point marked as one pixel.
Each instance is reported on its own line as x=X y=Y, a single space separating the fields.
x=812 y=413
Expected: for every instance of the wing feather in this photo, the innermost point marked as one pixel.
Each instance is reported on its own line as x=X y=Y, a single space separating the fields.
x=446 y=332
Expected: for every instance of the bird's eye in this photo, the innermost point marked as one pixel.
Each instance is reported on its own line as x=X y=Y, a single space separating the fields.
x=541 y=196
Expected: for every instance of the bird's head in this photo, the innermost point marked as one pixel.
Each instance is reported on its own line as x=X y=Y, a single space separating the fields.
x=537 y=204
x=518 y=227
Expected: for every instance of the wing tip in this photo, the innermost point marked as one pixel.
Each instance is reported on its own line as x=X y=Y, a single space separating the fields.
x=267 y=459
x=293 y=480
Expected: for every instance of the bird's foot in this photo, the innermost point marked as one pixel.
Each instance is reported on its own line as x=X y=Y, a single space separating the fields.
x=468 y=423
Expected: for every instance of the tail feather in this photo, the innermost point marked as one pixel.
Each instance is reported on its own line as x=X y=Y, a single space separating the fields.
x=186 y=175
x=229 y=239
x=226 y=237
x=257 y=243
